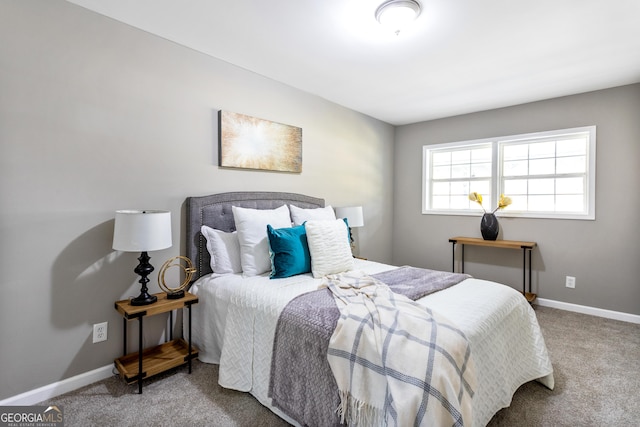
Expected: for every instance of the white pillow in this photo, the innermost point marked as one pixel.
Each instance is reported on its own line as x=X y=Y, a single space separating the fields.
x=251 y=225
x=300 y=215
x=224 y=249
x=329 y=247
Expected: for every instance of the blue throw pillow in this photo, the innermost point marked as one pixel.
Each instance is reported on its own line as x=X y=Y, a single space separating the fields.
x=349 y=229
x=289 y=251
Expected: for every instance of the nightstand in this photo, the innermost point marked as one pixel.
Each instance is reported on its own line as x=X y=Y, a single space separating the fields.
x=151 y=361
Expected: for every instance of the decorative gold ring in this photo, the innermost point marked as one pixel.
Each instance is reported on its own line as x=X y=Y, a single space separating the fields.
x=188 y=272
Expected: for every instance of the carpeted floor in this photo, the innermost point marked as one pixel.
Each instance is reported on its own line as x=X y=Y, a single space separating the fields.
x=596 y=365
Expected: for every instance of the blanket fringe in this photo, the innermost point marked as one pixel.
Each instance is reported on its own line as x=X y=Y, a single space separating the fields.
x=358 y=413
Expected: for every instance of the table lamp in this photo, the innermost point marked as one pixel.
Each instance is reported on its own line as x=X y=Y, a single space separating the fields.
x=142 y=231
x=355 y=218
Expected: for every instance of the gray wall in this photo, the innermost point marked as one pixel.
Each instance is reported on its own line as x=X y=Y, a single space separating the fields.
x=603 y=255
x=97 y=116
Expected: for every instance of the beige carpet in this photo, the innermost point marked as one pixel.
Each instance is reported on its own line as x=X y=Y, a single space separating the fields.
x=596 y=363
x=596 y=366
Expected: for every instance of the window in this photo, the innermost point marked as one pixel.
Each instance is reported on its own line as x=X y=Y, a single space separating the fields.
x=546 y=174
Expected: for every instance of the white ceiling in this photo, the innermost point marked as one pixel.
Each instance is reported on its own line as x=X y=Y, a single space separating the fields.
x=459 y=56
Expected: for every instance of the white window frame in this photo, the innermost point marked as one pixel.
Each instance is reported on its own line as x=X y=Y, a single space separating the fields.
x=497 y=176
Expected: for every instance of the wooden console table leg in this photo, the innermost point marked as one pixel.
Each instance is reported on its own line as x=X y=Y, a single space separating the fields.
x=524 y=270
x=453 y=256
x=530 y=268
x=528 y=295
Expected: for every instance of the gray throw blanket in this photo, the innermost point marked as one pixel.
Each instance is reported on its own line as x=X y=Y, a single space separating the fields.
x=301 y=383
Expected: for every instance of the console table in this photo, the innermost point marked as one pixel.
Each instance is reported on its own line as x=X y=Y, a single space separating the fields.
x=526 y=247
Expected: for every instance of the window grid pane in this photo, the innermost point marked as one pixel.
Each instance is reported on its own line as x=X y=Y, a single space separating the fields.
x=454 y=172
x=545 y=175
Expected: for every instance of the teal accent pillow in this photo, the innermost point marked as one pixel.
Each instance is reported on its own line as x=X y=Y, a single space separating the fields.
x=349 y=229
x=289 y=251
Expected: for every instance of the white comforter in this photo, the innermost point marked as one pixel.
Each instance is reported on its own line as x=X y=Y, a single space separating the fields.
x=235 y=321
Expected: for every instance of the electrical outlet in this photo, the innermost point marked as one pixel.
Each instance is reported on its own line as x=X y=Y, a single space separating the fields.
x=570 y=282
x=100 y=332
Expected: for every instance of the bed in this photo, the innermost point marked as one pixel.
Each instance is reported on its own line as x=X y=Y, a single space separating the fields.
x=235 y=323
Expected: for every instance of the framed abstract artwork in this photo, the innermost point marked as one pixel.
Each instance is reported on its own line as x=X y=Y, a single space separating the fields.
x=250 y=143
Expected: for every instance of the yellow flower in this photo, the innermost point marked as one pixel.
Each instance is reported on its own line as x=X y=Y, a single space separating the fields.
x=502 y=203
x=476 y=197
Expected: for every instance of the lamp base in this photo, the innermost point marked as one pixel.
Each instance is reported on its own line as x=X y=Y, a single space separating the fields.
x=144 y=269
x=143 y=299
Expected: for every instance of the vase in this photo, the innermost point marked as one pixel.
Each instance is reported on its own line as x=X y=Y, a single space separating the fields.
x=489 y=226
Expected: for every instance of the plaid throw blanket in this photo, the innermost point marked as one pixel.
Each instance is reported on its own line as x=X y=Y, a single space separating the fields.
x=396 y=362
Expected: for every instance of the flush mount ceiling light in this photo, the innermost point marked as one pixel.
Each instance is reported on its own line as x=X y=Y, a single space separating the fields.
x=396 y=14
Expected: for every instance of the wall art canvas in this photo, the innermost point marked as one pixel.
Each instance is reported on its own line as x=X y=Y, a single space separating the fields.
x=251 y=143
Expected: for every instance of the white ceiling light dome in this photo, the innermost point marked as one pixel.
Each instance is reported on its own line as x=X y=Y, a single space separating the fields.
x=396 y=14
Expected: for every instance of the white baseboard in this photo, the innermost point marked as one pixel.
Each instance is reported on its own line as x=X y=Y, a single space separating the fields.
x=593 y=311
x=56 y=389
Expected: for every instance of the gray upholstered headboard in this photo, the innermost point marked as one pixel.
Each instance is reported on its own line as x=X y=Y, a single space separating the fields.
x=215 y=211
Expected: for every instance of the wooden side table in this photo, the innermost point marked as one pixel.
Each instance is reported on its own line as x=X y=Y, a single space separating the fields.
x=147 y=362
x=506 y=244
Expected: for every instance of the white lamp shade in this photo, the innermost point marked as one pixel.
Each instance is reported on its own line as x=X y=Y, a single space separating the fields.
x=142 y=231
x=354 y=215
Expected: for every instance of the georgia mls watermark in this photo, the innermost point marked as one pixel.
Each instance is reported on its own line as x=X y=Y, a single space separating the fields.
x=31 y=416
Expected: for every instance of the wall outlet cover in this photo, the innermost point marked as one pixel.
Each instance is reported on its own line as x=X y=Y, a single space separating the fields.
x=570 y=282
x=100 y=332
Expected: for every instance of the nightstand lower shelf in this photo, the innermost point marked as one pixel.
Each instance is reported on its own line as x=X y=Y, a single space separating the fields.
x=155 y=360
